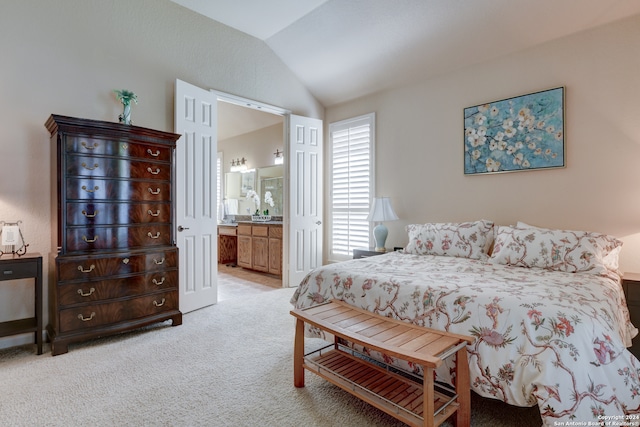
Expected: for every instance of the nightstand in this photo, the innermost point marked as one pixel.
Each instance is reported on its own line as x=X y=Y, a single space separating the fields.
x=631 y=287
x=365 y=253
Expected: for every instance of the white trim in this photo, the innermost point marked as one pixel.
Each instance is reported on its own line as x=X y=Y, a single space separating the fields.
x=249 y=103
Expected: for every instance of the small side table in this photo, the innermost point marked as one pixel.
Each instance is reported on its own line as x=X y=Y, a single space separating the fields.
x=364 y=253
x=631 y=287
x=14 y=267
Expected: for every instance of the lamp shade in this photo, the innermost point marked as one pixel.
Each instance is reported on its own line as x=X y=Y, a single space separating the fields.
x=381 y=210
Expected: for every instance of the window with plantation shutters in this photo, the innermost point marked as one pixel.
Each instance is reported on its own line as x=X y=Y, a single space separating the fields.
x=351 y=172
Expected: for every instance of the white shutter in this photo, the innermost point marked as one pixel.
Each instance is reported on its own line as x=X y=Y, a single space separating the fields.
x=352 y=144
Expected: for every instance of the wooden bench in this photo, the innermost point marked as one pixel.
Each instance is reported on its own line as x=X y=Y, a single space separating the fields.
x=416 y=403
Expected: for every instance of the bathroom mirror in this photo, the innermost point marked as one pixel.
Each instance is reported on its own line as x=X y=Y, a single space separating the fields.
x=266 y=181
x=270 y=188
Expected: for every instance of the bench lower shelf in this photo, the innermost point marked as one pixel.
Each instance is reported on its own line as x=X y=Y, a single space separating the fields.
x=392 y=393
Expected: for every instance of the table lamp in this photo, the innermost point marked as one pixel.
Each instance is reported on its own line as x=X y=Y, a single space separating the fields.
x=381 y=210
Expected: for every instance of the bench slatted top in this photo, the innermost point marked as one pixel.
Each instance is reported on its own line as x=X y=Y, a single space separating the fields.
x=392 y=337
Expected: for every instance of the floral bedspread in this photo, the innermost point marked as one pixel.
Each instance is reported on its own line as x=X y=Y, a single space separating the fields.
x=553 y=339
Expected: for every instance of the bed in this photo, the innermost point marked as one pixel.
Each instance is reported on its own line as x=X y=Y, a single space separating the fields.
x=546 y=308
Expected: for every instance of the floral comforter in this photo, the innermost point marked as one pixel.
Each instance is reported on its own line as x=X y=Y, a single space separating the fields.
x=553 y=339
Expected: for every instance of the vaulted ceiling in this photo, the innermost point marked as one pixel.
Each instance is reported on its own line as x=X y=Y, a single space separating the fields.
x=344 y=49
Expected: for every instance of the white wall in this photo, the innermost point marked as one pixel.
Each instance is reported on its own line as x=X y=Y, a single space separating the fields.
x=419 y=152
x=67 y=56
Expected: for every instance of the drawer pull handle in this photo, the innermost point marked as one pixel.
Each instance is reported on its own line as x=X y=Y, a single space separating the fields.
x=124 y=146
x=125 y=261
x=89 y=190
x=153 y=172
x=158 y=262
x=90 y=240
x=155 y=193
x=82 y=294
x=82 y=270
x=154 y=214
x=88 y=215
x=89 y=168
x=159 y=304
x=81 y=317
x=152 y=236
x=93 y=147
x=155 y=282
x=156 y=154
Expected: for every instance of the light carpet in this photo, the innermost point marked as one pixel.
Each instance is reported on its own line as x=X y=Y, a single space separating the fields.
x=226 y=365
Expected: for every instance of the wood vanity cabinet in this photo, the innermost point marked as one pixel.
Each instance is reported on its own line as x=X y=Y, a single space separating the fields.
x=117 y=263
x=260 y=247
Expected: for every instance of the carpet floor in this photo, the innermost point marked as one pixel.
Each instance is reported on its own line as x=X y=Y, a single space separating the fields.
x=227 y=365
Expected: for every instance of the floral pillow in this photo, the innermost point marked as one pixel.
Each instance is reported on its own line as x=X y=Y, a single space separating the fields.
x=559 y=250
x=465 y=239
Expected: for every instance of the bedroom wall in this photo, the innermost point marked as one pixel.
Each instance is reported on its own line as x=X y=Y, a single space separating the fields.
x=419 y=147
x=66 y=57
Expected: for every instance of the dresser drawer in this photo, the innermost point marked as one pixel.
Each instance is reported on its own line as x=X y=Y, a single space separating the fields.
x=100 y=167
x=101 y=314
x=260 y=230
x=99 y=146
x=227 y=231
x=101 y=238
x=244 y=230
x=19 y=270
x=105 y=213
x=117 y=190
x=91 y=268
x=275 y=232
x=85 y=292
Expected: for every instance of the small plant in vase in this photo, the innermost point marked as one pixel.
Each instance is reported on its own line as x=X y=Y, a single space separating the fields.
x=126 y=96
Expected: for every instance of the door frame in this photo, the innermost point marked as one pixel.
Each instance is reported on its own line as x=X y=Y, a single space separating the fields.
x=286 y=115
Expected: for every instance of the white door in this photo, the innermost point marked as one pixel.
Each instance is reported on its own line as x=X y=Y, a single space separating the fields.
x=305 y=197
x=196 y=199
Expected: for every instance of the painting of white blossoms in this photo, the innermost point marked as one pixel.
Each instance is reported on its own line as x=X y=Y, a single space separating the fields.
x=515 y=134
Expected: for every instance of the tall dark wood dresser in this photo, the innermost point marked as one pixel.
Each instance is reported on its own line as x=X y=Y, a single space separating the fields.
x=117 y=264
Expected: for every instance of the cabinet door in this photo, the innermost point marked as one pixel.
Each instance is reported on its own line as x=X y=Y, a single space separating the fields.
x=260 y=249
x=275 y=256
x=244 y=251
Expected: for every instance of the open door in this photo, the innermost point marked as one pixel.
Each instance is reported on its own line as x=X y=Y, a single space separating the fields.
x=305 y=197
x=196 y=198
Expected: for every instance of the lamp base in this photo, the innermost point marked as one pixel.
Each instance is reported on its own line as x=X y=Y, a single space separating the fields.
x=380 y=233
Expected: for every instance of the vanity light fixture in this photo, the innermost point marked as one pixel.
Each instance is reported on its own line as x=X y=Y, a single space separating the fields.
x=239 y=165
x=279 y=157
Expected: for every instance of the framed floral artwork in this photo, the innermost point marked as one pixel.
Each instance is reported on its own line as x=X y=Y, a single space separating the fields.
x=515 y=134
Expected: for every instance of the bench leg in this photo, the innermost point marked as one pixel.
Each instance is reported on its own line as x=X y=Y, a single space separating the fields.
x=298 y=355
x=428 y=395
x=463 y=389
